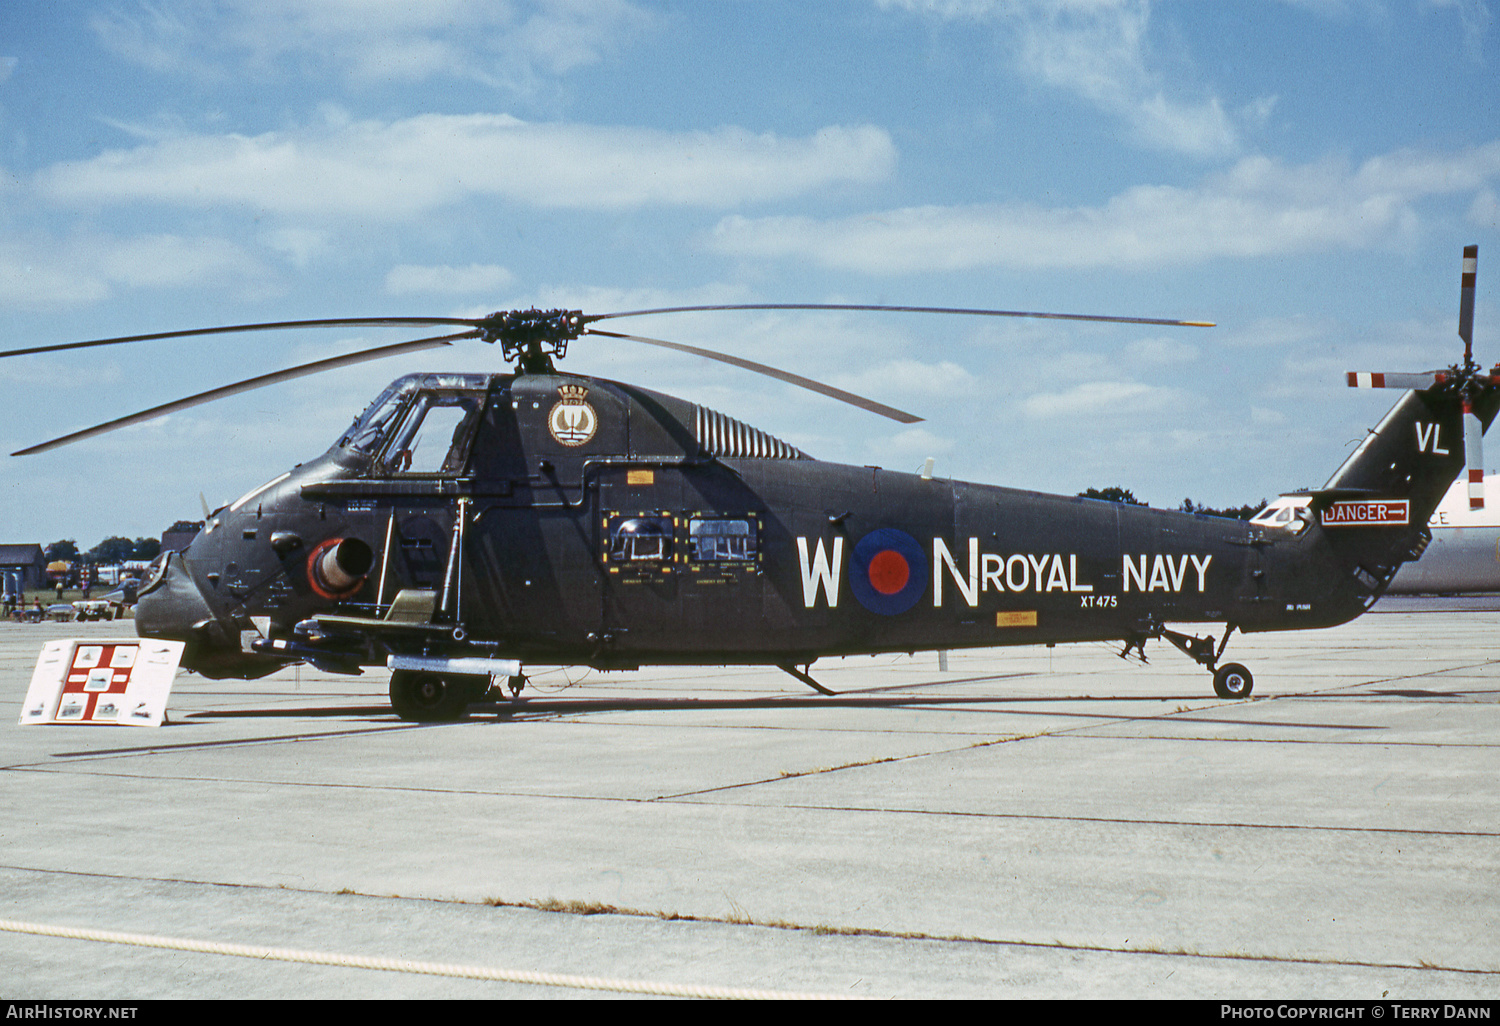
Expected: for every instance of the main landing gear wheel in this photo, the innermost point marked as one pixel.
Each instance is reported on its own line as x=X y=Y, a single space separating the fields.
x=434 y=697
x=1233 y=681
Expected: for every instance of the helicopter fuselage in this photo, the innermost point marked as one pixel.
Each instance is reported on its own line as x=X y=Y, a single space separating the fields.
x=556 y=519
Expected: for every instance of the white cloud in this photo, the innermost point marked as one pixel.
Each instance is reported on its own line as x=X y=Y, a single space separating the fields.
x=28 y=283
x=369 y=41
x=1475 y=18
x=402 y=169
x=1101 y=399
x=912 y=377
x=1162 y=351
x=1485 y=210
x=1098 y=51
x=406 y=279
x=907 y=449
x=1258 y=207
x=43 y=275
x=1339 y=8
x=299 y=245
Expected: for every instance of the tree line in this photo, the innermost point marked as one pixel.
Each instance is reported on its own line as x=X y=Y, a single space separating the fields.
x=107 y=553
x=115 y=549
x=1116 y=494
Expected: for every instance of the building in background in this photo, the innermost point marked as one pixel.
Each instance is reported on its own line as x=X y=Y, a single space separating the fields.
x=180 y=534
x=22 y=568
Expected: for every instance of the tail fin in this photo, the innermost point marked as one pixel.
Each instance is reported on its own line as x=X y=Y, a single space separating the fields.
x=1375 y=507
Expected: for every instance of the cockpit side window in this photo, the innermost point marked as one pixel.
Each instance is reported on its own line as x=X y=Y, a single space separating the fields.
x=435 y=435
x=369 y=431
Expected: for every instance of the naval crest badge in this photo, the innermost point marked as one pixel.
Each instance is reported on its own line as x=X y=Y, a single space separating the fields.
x=572 y=420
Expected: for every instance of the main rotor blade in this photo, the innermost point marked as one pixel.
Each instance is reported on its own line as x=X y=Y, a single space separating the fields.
x=396 y=322
x=338 y=322
x=248 y=385
x=796 y=379
x=905 y=309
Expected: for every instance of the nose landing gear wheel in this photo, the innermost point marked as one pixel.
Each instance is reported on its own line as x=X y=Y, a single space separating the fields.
x=1233 y=681
x=434 y=697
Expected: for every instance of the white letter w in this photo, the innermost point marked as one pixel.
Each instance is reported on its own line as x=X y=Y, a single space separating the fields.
x=819 y=572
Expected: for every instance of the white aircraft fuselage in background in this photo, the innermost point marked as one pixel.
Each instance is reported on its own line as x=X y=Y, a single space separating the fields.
x=1465 y=551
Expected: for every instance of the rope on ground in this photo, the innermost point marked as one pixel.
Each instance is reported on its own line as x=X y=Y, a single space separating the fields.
x=402 y=965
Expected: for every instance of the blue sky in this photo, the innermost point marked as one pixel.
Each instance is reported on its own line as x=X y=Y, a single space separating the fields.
x=1303 y=172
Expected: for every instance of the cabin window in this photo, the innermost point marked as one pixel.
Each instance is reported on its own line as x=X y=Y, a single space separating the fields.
x=721 y=540
x=641 y=540
x=434 y=437
x=1290 y=517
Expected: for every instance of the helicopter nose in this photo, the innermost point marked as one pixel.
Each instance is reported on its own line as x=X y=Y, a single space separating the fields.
x=172 y=607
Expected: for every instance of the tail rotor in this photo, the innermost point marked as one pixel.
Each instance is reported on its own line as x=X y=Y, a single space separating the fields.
x=1466 y=379
x=1473 y=430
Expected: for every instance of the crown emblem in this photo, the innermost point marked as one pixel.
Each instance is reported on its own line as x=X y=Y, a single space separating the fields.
x=572 y=421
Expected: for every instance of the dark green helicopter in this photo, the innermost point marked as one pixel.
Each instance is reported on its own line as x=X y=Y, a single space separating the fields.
x=467 y=525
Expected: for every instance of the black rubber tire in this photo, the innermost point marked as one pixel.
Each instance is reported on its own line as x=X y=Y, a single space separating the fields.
x=1233 y=681
x=434 y=697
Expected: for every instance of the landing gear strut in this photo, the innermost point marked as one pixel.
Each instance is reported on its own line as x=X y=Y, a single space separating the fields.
x=1231 y=680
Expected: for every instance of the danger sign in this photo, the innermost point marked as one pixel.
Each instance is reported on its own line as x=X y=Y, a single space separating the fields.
x=1368 y=513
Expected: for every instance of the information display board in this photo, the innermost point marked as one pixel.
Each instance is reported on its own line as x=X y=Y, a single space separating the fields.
x=115 y=682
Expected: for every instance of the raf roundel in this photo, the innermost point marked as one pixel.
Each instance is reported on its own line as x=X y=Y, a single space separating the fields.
x=889 y=574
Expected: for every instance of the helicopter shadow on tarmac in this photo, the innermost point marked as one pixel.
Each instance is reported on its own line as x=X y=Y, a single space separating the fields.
x=1084 y=706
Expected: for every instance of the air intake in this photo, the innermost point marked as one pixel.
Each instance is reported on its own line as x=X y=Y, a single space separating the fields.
x=724 y=436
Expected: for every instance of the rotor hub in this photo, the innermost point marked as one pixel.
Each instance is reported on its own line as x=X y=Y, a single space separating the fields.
x=532 y=337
